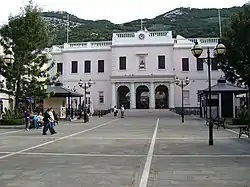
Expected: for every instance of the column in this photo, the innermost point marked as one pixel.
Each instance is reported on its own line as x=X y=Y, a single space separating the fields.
x=113 y=95
x=171 y=96
x=152 y=96
x=132 y=96
x=220 y=108
x=234 y=105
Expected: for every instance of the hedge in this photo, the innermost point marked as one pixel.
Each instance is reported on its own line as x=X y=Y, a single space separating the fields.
x=11 y=121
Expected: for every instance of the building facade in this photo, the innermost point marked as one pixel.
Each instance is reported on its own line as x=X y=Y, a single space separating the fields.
x=136 y=69
x=5 y=100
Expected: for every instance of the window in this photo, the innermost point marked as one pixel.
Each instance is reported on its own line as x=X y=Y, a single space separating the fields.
x=214 y=65
x=87 y=66
x=101 y=97
x=185 y=64
x=142 y=65
x=199 y=65
x=122 y=63
x=186 y=97
x=100 y=66
x=161 y=62
x=59 y=67
x=74 y=67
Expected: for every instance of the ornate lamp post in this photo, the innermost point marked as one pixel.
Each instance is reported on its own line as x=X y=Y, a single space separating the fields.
x=219 y=50
x=85 y=86
x=7 y=59
x=182 y=84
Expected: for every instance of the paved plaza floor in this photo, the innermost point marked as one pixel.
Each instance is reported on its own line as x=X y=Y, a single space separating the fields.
x=144 y=149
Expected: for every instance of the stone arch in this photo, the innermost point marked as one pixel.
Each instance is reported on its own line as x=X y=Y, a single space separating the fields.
x=123 y=93
x=142 y=97
x=161 y=97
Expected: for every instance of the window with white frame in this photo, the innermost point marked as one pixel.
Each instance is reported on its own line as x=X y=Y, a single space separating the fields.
x=101 y=97
x=186 y=97
x=142 y=63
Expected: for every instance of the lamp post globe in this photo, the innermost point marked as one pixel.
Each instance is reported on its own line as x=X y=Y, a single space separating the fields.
x=80 y=83
x=197 y=50
x=219 y=49
x=177 y=80
x=90 y=83
x=8 y=59
x=187 y=81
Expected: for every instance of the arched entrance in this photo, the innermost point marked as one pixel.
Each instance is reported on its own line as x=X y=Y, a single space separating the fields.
x=161 y=97
x=123 y=97
x=142 y=97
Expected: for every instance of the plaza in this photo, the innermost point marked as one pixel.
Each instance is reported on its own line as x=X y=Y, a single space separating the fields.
x=145 y=149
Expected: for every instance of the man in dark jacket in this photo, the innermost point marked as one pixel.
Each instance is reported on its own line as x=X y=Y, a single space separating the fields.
x=47 y=121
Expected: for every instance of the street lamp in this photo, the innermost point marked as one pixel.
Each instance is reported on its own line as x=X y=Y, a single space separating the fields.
x=219 y=50
x=182 y=84
x=7 y=59
x=85 y=86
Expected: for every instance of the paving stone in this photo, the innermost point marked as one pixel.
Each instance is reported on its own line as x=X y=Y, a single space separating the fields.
x=182 y=157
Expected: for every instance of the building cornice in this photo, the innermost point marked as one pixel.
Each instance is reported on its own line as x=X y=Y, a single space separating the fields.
x=143 y=78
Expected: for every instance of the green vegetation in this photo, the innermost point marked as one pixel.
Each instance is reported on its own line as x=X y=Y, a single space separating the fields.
x=236 y=63
x=188 y=22
x=27 y=76
x=12 y=118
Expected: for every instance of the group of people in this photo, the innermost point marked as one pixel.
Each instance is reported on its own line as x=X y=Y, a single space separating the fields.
x=116 y=111
x=48 y=120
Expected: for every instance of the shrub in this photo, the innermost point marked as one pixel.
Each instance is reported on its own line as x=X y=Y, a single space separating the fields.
x=11 y=114
x=11 y=122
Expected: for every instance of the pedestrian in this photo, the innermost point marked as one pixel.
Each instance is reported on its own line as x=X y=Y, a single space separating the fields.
x=122 y=111
x=47 y=120
x=35 y=121
x=115 y=111
x=27 y=119
x=40 y=120
x=55 y=117
x=52 y=122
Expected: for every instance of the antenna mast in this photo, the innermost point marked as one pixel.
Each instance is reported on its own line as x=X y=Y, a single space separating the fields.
x=67 y=32
x=220 y=23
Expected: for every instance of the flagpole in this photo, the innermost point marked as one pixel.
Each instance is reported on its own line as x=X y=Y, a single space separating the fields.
x=220 y=23
x=67 y=32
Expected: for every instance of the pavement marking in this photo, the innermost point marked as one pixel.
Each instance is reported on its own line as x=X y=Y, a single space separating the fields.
x=10 y=132
x=195 y=138
x=145 y=174
x=202 y=156
x=235 y=132
x=58 y=139
x=80 y=154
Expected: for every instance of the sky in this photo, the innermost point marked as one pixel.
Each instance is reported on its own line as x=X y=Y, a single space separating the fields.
x=117 y=11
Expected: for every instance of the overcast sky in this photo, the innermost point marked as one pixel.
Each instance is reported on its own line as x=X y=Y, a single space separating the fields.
x=117 y=11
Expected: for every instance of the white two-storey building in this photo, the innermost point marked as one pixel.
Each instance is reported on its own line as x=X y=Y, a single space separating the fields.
x=136 y=69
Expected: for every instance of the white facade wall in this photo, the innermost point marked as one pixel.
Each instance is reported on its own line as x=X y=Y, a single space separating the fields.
x=134 y=47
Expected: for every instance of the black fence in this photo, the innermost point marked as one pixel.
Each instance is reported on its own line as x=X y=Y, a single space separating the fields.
x=187 y=110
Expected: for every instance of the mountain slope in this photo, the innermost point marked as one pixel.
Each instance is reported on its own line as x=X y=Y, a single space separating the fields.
x=188 y=22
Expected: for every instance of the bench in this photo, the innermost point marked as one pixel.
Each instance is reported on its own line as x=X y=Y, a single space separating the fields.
x=219 y=122
x=244 y=129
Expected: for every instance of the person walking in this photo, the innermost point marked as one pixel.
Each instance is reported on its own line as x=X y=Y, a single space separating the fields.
x=47 y=120
x=122 y=111
x=35 y=121
x=115 y=112
x=55 y=117
x=52 y=122
x=27 y=119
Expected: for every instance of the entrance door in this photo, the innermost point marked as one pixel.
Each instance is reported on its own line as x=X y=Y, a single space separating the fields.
x=227 y=104
x=142 y=97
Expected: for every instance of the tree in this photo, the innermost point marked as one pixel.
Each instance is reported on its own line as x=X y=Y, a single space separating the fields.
x=236 y=37
x=28 y=76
